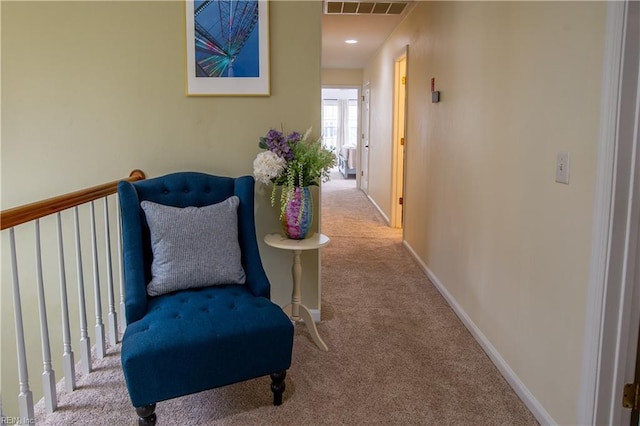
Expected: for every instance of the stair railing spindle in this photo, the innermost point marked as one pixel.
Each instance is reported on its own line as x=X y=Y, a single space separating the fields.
x=48 y=375
x=120 y=268
x=112 y=318
x=67 y=355
x=85 y=340
x=25 y=396
x=24 y=305
x=100 y=338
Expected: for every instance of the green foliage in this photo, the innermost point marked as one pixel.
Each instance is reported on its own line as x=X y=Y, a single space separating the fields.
x=311 y=165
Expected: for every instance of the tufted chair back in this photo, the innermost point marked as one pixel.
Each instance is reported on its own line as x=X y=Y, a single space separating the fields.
x=183 y=189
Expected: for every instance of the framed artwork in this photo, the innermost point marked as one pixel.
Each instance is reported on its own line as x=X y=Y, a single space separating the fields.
x=227 y=50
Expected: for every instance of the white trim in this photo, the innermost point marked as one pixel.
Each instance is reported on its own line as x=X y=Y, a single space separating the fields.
x=592 y=364
x=629 y=312
x=510 y=376
x=399 y=128
x=384 y=216
x=315 y=314
x=366 y=87
x=623 y=319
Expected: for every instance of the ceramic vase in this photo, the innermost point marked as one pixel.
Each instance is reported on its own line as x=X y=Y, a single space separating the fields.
x=297 y=216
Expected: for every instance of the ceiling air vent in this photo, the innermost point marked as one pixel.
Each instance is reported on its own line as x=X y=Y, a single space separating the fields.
x=364 y=8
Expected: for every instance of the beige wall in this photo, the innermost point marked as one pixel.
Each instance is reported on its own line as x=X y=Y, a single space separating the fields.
x=341 y=77
x=519 y=82
x=380 y=74
x=92 y=90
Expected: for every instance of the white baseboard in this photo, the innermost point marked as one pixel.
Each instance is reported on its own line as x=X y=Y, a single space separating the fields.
x=315 y=314
x=510 y=376
x=384 y=216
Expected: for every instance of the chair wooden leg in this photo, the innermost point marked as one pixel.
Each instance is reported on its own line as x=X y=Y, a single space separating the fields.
x=277 y=386
x=146 y=415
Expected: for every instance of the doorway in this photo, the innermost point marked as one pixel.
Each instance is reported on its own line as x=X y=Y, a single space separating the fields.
x=340 y=129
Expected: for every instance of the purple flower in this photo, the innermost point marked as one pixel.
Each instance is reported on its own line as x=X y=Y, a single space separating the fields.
x=294 y=137
x=278 y=144
x=273 y=134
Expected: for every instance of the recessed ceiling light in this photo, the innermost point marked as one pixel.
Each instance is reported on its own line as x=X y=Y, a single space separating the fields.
x=351 y=41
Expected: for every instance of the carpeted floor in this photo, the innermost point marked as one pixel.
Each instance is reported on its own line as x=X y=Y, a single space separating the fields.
x=398 y=355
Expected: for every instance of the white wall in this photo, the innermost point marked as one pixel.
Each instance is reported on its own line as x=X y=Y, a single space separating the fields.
x=519 y=82
x=341 y=77
x=92 y=90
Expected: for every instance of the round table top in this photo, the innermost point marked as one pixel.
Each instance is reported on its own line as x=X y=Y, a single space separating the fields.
x=315 y=241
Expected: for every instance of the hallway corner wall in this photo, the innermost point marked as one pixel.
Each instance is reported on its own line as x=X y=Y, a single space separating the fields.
x=519 y=82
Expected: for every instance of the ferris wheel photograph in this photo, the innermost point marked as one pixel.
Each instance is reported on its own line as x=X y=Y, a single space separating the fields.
x=226 y=38
x=227 y=47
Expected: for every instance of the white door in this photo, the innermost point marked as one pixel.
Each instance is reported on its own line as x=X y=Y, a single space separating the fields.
x=364 y=145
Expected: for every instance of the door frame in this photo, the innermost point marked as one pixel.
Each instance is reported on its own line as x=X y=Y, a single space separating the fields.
x=399 y=132
x=362 y=178
x=613 y=297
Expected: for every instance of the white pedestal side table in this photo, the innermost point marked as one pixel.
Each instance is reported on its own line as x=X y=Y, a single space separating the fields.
x=296 y=310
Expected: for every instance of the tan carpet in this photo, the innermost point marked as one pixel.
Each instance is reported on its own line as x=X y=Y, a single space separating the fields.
x=398 y=354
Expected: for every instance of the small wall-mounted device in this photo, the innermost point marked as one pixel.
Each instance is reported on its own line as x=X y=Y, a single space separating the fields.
x=435 y=94
x=562 y=167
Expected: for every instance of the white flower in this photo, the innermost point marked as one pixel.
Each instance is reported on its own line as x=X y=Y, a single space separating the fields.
x=267 y=166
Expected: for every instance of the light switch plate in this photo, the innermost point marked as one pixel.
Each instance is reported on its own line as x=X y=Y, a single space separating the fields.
x=562 y=167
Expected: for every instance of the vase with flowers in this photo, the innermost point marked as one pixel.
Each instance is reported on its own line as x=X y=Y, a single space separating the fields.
x=293 y=162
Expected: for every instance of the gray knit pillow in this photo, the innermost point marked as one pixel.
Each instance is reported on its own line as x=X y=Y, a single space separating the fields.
x=193 y=246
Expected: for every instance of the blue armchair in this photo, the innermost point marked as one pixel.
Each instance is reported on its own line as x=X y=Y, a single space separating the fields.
x=180 y=341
